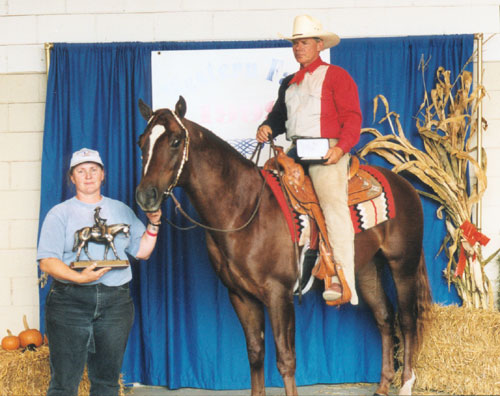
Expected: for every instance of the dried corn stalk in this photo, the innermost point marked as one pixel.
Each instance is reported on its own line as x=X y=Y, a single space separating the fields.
x=447 y=124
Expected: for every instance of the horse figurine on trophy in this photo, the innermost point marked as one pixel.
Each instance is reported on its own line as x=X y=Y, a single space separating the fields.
x=101 y=233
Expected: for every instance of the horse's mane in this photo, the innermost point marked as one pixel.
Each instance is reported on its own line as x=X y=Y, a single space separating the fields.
x=218 y=143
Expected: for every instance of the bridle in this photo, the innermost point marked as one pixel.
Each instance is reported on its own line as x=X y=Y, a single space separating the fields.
x=168 y=191
x=184 y=159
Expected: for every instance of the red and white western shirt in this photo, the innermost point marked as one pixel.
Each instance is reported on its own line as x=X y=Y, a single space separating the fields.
x=324 y=104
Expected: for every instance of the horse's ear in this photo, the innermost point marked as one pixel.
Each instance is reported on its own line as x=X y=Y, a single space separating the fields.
x=180 y=107
x=145 y=110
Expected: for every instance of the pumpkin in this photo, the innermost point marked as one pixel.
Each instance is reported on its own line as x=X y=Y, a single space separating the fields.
x=10 y=342
x=30 y=336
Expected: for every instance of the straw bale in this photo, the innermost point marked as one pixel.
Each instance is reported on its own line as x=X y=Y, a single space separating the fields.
x=28 y=373
x=460 y=352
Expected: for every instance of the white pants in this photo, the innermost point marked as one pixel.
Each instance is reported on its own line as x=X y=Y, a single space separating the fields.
x=330 y=184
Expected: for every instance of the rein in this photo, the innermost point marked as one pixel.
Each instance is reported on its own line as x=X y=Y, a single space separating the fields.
x=168 y=191
x=272 y=147
x=178 y=206
x=254 y=213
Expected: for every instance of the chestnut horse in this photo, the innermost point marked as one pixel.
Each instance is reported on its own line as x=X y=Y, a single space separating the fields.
x=256 y=261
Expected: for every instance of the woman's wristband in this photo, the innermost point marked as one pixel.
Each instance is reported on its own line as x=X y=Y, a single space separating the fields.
x=151 y=234
x=154 y=228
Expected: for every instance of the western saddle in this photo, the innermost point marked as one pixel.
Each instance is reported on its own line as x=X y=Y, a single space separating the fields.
x=301 y=196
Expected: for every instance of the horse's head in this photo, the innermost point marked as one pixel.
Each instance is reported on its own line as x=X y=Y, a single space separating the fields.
x=115 y=229
x=126 y=230
x=164 y=145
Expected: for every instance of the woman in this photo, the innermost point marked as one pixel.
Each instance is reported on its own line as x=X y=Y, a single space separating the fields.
x=89 y=313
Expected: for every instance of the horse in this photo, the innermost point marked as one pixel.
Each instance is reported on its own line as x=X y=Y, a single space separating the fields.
x=94 y=234
x=256 y=262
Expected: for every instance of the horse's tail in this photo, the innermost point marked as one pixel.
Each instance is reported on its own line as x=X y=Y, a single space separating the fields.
x=424 y=300
x=77 y=241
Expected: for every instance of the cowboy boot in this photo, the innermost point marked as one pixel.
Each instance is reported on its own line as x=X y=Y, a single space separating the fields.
x=334 y=290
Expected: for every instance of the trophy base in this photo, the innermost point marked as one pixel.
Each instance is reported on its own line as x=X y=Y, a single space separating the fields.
x=76 y=265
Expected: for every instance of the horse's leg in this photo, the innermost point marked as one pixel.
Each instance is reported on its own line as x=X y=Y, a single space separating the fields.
x=369 y=281
x=251 y=315
x=404 y=275
x=111 y=243
x=86 y=249
x=282 y=316
x=78 y=252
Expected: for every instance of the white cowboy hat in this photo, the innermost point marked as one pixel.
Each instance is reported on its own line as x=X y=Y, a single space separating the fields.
x=305 y=26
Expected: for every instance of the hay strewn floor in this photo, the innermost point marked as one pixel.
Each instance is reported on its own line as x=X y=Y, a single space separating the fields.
x=460 y=353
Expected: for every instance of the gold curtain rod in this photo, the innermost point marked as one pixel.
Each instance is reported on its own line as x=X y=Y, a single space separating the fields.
x=48 y=47
x=479 y=37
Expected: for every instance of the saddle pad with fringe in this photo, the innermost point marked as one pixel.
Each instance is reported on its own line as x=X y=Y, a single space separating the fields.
x=364 y=215
x=293 y=218
x=368 y=214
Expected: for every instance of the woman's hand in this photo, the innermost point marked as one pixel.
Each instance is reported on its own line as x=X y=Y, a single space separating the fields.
x=59 y=270
x=91 y=274
x=154 y=217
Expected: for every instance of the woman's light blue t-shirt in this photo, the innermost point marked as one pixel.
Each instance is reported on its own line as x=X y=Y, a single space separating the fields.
x=57 y=235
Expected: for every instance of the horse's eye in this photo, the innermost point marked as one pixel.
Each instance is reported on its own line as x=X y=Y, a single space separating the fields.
x=175 y=143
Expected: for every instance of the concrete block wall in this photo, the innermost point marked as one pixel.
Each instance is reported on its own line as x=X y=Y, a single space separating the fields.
x=25 y=25
x=491 y=143
x=22 y=102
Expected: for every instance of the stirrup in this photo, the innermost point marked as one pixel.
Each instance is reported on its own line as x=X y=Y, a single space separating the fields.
x=346 y=291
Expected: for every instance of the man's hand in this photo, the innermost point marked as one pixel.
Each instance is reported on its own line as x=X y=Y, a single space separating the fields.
x=264 y=133
x=333 y=155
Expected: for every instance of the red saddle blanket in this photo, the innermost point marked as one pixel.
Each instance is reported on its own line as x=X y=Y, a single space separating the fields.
x=364 y=215
x=293 y=218
x=368 y=214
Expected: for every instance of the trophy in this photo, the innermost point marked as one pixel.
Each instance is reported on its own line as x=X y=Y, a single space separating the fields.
x=100 y=233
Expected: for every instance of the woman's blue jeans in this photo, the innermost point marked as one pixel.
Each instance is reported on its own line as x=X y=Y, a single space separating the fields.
x=87 y=325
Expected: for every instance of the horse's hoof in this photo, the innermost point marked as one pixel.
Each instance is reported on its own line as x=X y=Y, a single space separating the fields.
x=378 y=394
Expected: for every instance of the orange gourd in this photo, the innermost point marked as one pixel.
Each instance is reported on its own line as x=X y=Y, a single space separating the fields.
x=10 y=342
x=30 y=336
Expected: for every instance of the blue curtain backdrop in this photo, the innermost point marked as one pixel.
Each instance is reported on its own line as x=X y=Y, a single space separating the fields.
x=186 y=333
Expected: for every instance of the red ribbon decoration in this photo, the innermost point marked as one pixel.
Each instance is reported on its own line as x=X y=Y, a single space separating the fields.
x=472 y=236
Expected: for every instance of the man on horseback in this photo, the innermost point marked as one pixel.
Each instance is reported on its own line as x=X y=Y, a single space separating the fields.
x=100 y=223
x=321 y=100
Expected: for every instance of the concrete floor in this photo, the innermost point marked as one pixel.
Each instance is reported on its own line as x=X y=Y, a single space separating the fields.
x=324 y=390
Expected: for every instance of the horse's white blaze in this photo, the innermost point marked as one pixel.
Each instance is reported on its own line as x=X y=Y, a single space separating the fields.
x=156 y=132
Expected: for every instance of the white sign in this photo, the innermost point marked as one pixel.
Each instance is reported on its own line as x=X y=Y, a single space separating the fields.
x=229 y=92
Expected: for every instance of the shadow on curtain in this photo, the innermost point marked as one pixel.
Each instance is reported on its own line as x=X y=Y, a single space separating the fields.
x=186 y=333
